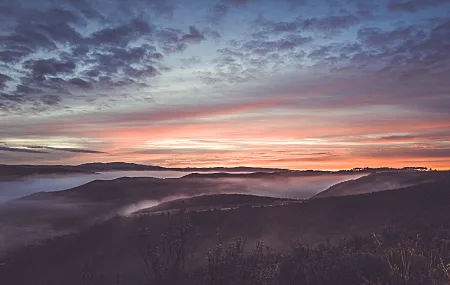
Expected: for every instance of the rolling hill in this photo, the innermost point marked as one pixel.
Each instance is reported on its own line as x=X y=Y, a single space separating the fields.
x=215 y=201
x=113 y=247
x=381 y=181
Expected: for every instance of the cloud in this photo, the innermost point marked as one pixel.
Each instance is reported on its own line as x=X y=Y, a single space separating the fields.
x=188 y=112
x=217 y=13
x=330 y=23
x=3 y=79
x=162 y=151
x=263 y=47
x=407 y=152
x=415 y=5
x=109 y=61
x=276 y=45
x=327 y=25
x=174 y=41
x=60 y=50
x=43 y=67
x=242 y=61
x=75 y=150
x=296 y=3
x=50 y=100
x=146 y=72
x=320 y=53
x=169 y=40
x=190 y=61
x=120 y=35
x=24 y=150
x=237 y=2
x=411 y=61
x=194 y=36
x=23 y=89
x=156 y=8
x=376 y=37
x=10 y=56
x=85 y=9
x=39 y=30
x=414 y=138
x=365 y=10
x=81 y=83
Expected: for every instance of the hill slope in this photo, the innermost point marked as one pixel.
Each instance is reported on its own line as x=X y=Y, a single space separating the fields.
x=209 y=202
x=382 y=181
x=114 y=247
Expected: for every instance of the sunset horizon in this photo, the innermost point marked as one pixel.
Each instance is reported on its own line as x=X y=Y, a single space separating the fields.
x=217 y=167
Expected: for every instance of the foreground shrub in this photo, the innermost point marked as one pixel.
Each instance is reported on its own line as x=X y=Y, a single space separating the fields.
x=231 y=266
x=391 y=257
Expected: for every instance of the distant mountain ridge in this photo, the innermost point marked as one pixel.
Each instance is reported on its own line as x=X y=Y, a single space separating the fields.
x=93 y=167
x=382 y=181
x=25 y=170
x=100 y=166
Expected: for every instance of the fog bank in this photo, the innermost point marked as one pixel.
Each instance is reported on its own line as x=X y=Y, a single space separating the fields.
x=48 y=183
x=24 y=221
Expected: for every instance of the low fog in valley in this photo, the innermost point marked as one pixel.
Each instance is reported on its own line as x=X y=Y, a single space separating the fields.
x=53 y=213
x=15 y=188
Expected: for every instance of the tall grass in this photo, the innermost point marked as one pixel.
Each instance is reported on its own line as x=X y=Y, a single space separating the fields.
x=388 y=257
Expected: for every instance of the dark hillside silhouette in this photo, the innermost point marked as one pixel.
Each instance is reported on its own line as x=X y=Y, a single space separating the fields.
x=111 y=247
x=381 y=181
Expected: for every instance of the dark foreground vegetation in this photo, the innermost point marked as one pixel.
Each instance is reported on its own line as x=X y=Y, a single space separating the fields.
x=391 y=256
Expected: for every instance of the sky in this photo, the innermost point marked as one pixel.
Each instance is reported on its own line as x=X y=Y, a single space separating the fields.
x=300 y=84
